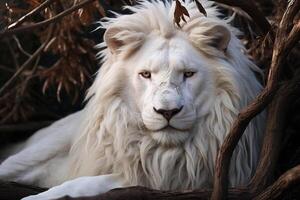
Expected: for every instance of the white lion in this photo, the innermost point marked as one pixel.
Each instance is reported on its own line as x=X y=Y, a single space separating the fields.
x=157 y=113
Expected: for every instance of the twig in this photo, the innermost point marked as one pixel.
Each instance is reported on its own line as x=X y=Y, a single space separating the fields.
x=45 y=22
x=12 y=53
x=282 y=185
x=283 y=44
x=20 y=46
x=25 y=65
x=249 y=7
x=294 y=35
x=35 y=10
x=281 y=50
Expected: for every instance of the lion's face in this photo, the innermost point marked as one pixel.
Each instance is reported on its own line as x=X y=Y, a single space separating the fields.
x=172 y=85
x=170 y=73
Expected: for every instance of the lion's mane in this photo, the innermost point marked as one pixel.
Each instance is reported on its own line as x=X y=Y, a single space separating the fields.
x=112 y=139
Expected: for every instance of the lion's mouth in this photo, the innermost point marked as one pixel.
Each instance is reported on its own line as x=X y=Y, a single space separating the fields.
x=169 y=128
x=169 y=136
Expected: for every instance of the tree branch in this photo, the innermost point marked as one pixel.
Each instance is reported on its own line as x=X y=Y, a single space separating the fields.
x=26 y=64
x=283 y=44
x=231 y=140
x=277 y=115
x=13 y=55
x=20 y=46
x=143 y=193
x=34 y=11
x=279 y=55
x=45 y=22
x=249 y=7
x=282 y=185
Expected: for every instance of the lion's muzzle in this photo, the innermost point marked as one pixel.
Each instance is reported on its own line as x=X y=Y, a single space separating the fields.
x=168 y=114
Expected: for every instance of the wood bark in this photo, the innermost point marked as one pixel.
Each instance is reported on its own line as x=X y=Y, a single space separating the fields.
x=277 y=115
x=289 y=179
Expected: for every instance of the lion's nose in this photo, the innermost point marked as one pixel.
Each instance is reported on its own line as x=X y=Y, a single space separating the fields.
x=168 y=114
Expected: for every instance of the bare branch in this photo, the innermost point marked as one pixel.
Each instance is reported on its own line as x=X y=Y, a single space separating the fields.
x=294 y=36
x=259 y=103
x=13 y=55
x=142 y=193
x=283 y=44
x=231 y=140
x=34 y=11
x=26 y=64
x=20 y=46
x=277 y=115
x=45 y=22
x=283 y=184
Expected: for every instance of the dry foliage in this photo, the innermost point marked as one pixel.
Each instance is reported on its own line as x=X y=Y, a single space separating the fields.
x=71 y=55
x=181 y=11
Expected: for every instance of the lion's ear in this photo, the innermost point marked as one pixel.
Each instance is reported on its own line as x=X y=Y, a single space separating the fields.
x=209 y=35
x=111 y=39
x=120 y=39
x=218 y=36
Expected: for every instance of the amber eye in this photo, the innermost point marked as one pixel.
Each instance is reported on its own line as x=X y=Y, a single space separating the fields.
x=188 y=74
x=145 y=74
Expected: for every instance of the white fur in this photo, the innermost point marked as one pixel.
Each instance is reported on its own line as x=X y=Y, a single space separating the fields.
x=118 y=132
x=83 y=186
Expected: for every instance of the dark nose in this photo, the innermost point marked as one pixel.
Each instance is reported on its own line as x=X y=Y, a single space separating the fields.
x=168 y=114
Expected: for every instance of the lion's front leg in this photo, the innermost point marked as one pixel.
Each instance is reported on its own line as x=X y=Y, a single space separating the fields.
x=81 y=187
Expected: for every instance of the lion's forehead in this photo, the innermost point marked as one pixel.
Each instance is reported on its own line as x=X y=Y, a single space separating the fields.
x=159 y=54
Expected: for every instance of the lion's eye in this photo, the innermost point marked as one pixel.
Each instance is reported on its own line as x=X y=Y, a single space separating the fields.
x=188 y=74
x=145 y=74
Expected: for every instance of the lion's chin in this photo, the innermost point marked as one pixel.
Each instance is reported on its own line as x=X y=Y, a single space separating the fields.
x=170 y=136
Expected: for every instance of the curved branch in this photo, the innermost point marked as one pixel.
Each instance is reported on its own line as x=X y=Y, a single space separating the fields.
x=231 y=140
x=277 y=115
x=282 y=185
x=281 y=50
